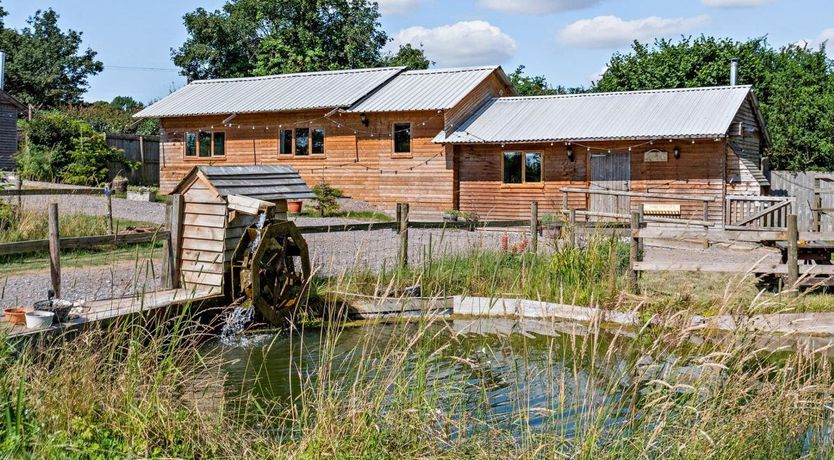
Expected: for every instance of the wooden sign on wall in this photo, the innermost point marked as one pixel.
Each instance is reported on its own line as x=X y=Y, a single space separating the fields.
x=655 y=155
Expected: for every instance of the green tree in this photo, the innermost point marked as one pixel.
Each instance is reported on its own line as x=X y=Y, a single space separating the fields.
x=794 y=87
x=262 y=37
x=537 y=85
x=45 y=65
x=409 y=57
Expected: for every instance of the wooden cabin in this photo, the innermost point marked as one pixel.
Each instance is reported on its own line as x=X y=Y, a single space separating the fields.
x=368 y=132
x=10 y=109
x=219 y=203
x=445 y=139
x=697 y=142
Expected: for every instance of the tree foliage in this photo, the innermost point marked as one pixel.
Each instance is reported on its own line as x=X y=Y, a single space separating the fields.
x=794 y=86
x=409 y=57
x=45 y=65
x=537 y=85
x=115 y=116
x=263 y=37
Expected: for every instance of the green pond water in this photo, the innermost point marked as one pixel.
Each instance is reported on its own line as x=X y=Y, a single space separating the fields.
x=486 y=369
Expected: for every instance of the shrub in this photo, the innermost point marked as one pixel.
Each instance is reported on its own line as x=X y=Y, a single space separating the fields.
x=90 y=157
x=326 y=198
x=48 y=141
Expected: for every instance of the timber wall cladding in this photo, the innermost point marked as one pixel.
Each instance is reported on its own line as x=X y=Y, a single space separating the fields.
x=8 y=136
x=699 y=171
x=354 y=154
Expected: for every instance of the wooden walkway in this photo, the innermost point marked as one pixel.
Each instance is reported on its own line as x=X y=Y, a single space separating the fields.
x=101 y=310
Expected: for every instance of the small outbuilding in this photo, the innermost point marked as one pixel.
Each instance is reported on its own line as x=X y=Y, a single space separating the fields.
x=219 y=204
x=10 y=110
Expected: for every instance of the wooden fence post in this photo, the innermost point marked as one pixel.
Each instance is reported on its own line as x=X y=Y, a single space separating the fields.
x=54 y=249
x=403 y=220
x=19 y=184
x=634 y=254
x=572 y=229
x=175 y=239
x=642 y=211
x=108 y=195
x=534 y=227
x=816 y=213
x=793 y=252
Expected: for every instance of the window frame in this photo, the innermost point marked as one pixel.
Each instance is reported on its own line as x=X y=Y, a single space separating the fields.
x=394 y=153
x=196 y=156
x=523 y=183
x=293 y=140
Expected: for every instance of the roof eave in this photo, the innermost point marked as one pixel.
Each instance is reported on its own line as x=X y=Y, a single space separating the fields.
x=439 y=140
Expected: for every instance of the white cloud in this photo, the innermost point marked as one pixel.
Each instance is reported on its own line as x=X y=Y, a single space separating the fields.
x=462 y=44
x=826 y=36
x=597 y=76
x=736 y=3
x=536 y=6
x=398 y=6
x=613 y=32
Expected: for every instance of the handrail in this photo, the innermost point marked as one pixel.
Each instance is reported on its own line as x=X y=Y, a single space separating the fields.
x=84 y=242
x=660 y=196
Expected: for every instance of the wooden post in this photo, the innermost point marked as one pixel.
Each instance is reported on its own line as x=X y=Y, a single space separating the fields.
x=54 y=249
x=706 y=227
x=572 y=229
x=19 y=184
x=642 y=211
x=565 y=200
x=108 y=195
x=817 y=205
x=634 y=254
x=177 y=206
x=403 y=214
x=142 y=159
x=534 y=227
x=793 y=252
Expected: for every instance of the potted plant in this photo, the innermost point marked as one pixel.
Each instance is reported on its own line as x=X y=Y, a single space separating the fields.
x=119 y=184
x=141 y=193
x=294 y=207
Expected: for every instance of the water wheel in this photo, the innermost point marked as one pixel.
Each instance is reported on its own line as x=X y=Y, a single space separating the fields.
x=264 y=269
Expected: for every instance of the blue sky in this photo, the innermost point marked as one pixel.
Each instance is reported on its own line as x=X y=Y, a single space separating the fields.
x=568 y=41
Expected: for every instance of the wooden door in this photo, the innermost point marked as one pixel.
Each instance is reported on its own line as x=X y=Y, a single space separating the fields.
x=610 y=171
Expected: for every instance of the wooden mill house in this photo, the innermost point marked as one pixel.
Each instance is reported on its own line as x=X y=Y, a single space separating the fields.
x=461 y=139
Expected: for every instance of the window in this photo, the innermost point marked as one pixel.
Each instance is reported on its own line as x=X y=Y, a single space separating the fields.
x=204 y=142
x=402 y=137
x=286 y=142
x=190 y=144
x=522 y=167
x=318 y=141
x=302 y=141
x=219 y=147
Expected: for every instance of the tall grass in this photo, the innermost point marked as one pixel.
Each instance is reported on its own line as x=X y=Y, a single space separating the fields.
x=592 y=273
x=30 y=225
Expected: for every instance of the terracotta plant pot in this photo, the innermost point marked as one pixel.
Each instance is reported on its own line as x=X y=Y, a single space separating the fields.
x=294 y=207
x=16 y=315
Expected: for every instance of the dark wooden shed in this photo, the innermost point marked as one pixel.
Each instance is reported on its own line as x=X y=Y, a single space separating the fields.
x=10 y=109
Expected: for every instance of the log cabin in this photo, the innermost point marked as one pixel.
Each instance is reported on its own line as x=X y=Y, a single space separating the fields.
x=368 y=132
x=461 y=139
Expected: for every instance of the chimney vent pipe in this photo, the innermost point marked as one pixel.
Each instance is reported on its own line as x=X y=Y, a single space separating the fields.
x=733 y=71
x=2 y=69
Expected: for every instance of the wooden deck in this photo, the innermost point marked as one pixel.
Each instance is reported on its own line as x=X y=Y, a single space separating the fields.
x=100 y=310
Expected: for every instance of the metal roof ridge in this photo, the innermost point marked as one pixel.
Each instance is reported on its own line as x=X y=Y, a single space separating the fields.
x=297 y=74
x=450 y=70
x=618 y=93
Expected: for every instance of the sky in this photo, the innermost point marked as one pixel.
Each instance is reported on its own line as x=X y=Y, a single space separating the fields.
x=567 y=41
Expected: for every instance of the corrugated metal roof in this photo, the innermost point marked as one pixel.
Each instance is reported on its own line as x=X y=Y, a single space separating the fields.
x=432 y=89
x=268 y=183
x=277 y=93
x=668 y=113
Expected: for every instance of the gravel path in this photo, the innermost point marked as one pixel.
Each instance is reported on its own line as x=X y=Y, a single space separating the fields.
x=96 y=206
x=94 y=283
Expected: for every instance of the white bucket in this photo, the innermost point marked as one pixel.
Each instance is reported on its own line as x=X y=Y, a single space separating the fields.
x=39 y=319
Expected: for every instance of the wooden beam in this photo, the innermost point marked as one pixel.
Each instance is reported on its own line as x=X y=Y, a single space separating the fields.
x=248 y=205
x=662 y=196
x=52 y=191
x=729 y=267
x=54 y=250
x=754 y=236
x=83 y=242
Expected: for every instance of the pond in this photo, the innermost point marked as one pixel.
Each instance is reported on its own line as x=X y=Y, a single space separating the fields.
x=484 y=370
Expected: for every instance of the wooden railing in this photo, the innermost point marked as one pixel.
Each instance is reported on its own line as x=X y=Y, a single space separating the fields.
x=758 y=211
x=705 y=200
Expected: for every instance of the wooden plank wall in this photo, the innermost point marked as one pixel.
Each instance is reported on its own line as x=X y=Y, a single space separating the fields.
x=358 y=160
x=698 y=171
x=801 y=187
x=140 y=149
x=745 y=141
x=203 y=238
x=8 y=137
